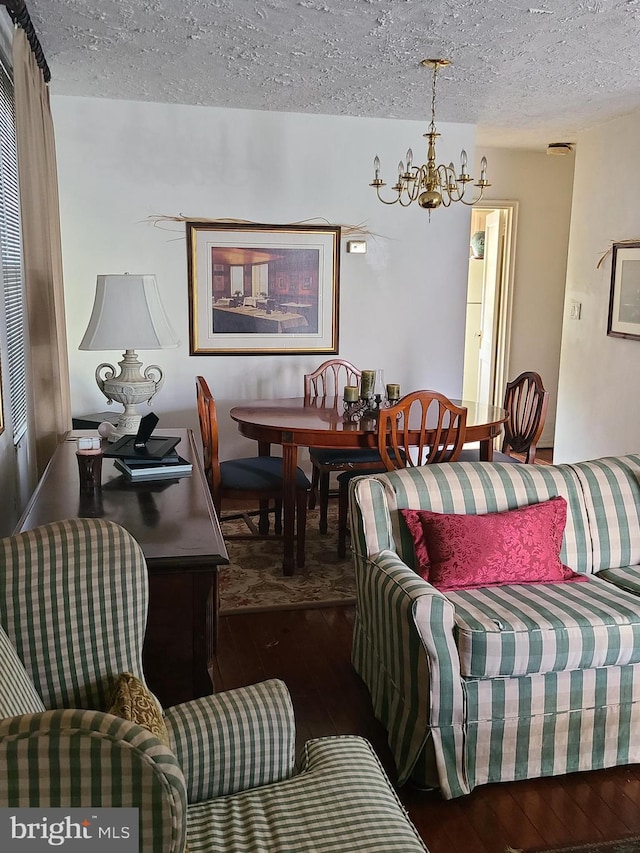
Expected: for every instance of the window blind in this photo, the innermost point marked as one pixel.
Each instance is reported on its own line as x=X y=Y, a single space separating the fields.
x=11 y=260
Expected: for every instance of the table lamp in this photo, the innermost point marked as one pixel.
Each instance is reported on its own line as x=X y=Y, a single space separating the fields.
x=127 y=313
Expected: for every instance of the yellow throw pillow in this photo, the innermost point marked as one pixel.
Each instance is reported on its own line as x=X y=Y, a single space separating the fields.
x=132 y=701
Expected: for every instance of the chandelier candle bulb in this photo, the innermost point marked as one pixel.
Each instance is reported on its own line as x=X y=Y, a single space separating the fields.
x=464 y=177
x=350 y=394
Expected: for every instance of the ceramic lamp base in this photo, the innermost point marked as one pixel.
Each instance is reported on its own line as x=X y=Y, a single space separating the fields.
x=129 y=388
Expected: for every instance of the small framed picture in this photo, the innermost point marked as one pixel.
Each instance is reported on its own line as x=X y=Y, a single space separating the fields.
x=624 y=298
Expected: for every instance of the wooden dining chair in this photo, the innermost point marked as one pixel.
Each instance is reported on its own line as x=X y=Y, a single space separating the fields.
x=526 y=401
x=328 y=380
x=257 y=478
x=423 y=428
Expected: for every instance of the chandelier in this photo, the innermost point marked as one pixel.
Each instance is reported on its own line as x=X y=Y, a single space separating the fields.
x=431 y=185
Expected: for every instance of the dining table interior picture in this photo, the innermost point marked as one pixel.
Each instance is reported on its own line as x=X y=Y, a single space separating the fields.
x=263 y=288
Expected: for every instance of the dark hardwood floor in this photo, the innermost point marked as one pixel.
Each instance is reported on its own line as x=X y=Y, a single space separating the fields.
x=310 y=651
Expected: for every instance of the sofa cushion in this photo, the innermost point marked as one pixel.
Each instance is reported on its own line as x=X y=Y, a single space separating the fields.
x=520 y=629
x=611 y=488
x=17 y=693
x=465 y=487
x=340 y=800
x=458 y=551
x=625 y=577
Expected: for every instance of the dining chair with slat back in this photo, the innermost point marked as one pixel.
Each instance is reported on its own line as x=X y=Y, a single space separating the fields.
x=526 y=401
x=257 y=478
x=328 y=380
x=423 y=428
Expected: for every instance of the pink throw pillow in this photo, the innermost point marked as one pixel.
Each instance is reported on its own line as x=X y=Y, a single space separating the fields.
x=456 y=551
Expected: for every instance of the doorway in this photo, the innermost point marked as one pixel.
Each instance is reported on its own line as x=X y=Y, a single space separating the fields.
x=489 y=301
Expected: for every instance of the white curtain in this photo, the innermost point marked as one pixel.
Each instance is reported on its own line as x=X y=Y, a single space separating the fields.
x=37 y=171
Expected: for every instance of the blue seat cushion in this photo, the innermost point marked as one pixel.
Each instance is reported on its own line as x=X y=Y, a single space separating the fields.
x=336 y=456
x=474 y=456
x=355 y=472
x=256 y=473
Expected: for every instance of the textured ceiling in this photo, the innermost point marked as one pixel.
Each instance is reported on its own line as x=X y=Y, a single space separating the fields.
x=525 y=74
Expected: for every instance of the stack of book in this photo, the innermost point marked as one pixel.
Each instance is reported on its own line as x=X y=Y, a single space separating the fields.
x=170 y=466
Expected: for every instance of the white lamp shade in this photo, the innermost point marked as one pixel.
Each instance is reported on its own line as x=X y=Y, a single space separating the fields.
x=128 y=314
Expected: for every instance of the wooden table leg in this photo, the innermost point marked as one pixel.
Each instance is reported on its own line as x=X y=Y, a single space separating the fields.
x=486 y=450
x=264 y=449
x=289 y=467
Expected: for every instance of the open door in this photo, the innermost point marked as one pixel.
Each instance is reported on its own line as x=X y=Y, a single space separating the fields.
x=489 y=299
x=489 y=309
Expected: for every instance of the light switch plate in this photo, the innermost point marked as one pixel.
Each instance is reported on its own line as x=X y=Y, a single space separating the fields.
x=575 y=310
x=357 y=247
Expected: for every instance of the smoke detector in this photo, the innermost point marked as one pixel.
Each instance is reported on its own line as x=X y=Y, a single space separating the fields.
x=559 y=148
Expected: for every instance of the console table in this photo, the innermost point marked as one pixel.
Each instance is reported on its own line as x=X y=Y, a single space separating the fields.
x=176 y=525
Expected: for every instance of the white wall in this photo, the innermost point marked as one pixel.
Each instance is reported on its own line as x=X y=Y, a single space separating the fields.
x=402 y=305
x=543 y=186
x=599 y=404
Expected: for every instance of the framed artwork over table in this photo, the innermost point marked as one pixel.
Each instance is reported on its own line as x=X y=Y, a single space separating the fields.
x=263 y=289
x=624 y=298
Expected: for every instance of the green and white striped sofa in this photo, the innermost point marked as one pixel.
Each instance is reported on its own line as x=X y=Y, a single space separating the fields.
x=511 y=682
x=73 y=604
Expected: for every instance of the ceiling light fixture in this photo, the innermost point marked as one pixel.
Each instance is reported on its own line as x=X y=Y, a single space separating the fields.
x=559 y=148
x=431 y=185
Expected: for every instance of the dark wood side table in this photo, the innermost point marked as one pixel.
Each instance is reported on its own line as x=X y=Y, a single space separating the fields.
x=176 y=525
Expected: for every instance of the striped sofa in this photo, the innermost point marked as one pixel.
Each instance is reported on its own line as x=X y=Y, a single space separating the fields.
x=511 y=682
x=73 y=603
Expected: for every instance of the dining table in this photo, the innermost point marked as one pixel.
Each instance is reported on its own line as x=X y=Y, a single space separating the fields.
x=295 y=422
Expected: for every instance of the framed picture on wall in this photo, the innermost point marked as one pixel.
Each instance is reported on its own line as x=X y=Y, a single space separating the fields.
x=257 y=311
x=624 y=298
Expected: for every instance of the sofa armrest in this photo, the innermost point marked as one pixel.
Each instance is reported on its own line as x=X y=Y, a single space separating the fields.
x=234 y=741
x=404 y=648
x=77 y=758
x=406 y=619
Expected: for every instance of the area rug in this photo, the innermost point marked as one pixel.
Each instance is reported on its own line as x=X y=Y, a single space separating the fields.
x=253 y=581
x=623 y=845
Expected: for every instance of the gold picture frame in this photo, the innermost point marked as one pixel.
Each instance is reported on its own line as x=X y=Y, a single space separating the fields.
x=263 y=289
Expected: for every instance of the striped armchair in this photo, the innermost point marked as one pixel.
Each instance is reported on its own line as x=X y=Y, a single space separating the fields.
x=73 y=603
x=509 y=682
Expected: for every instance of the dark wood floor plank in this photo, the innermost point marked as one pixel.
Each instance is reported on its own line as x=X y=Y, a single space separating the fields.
x=311 y=651
x=621 y=793
x=601 y=815
x=529 y=803
x=239 y=663
x=494 y=806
